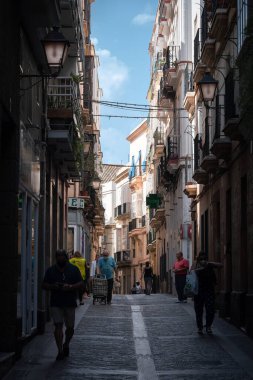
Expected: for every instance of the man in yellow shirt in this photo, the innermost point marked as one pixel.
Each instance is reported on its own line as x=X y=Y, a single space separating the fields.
x=80 y=263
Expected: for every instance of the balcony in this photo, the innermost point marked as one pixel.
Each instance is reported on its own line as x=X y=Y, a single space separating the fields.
x=166 y=94
x=63 y=142
x=190 y=189
x=173 y=154
x=158 y=218
x=158 y=143
x=123 y=258
x=89 y=50
x=99 y=221
x=172 y=68
x=136 y=227
x=231 y=128
x=189 y=102
x=219 y=23
x=151 y=238
x=122 y=211
x=151 y=246
x=209 y=161
x=221 y=146
x=208 y=52
x=158 y=66
x=199 y=175
x=64 y=101
x=199 y=67
x=135 y=178
x=99 y=230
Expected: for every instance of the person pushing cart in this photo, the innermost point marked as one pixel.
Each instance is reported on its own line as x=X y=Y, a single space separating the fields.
x=107 y=267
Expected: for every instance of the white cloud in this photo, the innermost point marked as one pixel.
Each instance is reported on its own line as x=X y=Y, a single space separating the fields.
x=113 y=74
x=94 y=41
x=143 y=18
x=103 y=53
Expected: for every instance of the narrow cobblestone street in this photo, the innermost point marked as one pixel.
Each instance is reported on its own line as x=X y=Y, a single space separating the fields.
x=139 y=337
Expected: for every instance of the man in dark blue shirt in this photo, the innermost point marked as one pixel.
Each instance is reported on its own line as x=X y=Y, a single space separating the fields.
x=63 y=280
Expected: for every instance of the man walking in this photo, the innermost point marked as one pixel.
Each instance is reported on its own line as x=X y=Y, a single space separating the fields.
x=63 y=280
x=180 y=268
x=107 y=267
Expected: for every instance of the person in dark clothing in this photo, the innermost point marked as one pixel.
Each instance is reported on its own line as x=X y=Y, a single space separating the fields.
x=206 y=291
x=148 y=275
x=63 y=280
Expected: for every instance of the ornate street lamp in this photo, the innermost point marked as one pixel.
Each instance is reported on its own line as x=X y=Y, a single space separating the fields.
x=207 y=86
x=95 y=182
x=87 y=143
x=56 y=48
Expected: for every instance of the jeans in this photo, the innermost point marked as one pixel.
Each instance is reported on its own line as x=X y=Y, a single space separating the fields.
x=180 y=280
x=205 y=297
x=148 y=285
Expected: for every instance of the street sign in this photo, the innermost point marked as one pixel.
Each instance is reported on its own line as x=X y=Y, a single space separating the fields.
x=76 y=202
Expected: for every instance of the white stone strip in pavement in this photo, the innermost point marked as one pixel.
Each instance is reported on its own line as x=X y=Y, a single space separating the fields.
x=145 y=362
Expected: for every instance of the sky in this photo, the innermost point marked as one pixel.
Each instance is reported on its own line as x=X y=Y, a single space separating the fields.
x=121 y=31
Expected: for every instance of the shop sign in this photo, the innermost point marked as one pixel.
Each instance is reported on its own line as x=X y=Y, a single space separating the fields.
x=76 y=202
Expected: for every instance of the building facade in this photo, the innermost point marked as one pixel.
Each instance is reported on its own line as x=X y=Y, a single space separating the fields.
x=170 y=142
x=222 y=199
x=137 y=183
x=42 y=144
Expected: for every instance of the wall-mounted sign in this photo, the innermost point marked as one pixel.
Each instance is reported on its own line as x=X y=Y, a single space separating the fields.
x=76 y=202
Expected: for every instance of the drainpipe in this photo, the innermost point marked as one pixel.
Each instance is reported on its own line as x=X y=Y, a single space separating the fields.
x=42 y=213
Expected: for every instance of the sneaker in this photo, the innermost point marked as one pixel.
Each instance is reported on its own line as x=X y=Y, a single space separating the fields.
x=200 y=330
x=209 y=331
x=60 y=356
x=81 y=303
x=177 y=301
x=184 y=301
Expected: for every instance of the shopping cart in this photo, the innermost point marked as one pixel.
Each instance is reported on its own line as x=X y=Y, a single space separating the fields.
x=99 y=289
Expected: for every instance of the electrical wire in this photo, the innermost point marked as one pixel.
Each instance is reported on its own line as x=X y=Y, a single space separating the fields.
x=137 y=117
x=135 y=105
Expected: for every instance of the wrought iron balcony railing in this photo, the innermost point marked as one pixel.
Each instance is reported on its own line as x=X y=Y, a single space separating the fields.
x=136 y=223
x=197 y=47
x=172 y=57
x=230 y=109
x=64 y=94
x=158 y=137
x=197 y=148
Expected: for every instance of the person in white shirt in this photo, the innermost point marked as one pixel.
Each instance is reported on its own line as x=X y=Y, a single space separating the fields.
x=93 y=269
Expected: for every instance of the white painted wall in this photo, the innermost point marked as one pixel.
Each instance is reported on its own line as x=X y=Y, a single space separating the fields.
x=109 y=201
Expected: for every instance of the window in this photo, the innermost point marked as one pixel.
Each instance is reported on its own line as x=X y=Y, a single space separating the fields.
x=242 y=20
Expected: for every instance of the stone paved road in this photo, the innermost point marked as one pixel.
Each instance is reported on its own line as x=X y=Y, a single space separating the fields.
x=140 y=337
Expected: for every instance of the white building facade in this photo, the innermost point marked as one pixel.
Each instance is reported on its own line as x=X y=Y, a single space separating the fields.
x=170 y=143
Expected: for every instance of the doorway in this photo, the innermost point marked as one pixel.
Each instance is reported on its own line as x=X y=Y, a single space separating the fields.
x=28 y=268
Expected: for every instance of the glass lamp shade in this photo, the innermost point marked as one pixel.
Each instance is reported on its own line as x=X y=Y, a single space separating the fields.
x=87 y=143
x=207 y=86
x=56 y=48
x=96 y=183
